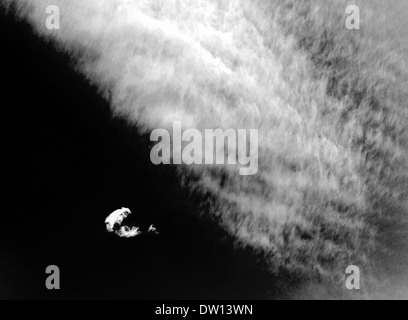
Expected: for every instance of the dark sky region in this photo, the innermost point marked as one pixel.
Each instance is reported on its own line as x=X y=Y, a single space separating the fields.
x=67 y=165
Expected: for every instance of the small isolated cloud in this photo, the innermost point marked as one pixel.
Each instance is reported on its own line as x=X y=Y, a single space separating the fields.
x=152 y=229
x=114 y=224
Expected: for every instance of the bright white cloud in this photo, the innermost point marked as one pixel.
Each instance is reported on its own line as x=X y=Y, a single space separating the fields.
x=114 y=224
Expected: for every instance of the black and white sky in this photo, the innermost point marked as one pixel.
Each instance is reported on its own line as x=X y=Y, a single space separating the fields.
x=79 y=104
